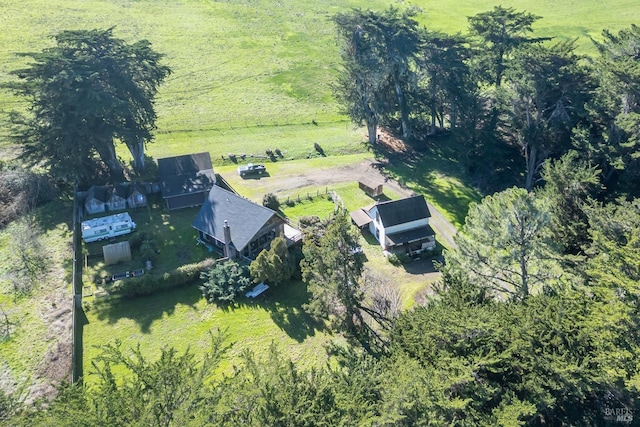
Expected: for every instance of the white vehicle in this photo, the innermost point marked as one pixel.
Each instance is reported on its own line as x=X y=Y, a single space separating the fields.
x=107 y=227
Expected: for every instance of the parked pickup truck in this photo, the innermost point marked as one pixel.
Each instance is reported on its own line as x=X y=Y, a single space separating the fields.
x=251 y=169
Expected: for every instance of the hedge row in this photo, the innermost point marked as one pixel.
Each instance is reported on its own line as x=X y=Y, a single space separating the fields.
x=151 y=282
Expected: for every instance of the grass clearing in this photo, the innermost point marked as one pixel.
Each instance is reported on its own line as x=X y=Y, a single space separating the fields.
x=182 y=318
x=43 y=317
x=171 y=233
x=438 y=172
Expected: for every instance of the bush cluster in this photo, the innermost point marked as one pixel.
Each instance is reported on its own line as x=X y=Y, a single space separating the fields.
x=137 y=238
x=225 y=281
x=271 y=201
x=22 y=190
x=152 y=282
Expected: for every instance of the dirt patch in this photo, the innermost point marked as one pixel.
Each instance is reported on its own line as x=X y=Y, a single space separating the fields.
x=55 y=365
x=393 y=145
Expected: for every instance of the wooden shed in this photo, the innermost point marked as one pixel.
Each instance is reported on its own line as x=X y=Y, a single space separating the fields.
x=370 y=186
x=116 y=252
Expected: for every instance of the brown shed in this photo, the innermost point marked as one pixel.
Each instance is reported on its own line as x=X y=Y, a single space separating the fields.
x=370 y=186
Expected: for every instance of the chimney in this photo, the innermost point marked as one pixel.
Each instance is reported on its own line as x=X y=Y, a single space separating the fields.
x=227 y=239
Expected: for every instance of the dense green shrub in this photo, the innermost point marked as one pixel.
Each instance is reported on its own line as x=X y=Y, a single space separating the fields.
x=148 y=250
x=224 y=281
x=137 y=238
x=271 y=201
x=275 y=265
x=398 y=259
x=152 y=282
x=21 y=190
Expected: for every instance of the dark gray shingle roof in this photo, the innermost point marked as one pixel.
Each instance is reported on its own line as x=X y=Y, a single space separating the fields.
x=409 y=236
x=186 y=174
x=98 y=192
x=245 y=218
x=394 y=212
x=185 y=164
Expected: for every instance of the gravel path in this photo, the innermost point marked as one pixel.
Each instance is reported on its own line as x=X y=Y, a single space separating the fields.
x=283 y=184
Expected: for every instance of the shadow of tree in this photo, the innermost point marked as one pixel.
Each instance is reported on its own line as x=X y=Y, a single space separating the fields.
x=284 y=304
x=436 y=170
x=422 y=266
x=293 y=320
x=156 y=306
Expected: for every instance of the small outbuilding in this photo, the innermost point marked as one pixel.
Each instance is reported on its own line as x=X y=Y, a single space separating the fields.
x=371 y=186
x=117 y=197
x=360 y=218
x=137 y=195
x=185 y=180
x=116 y=253
x=95 y=200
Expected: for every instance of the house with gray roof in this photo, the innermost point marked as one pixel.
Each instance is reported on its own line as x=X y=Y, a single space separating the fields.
x=235 y=226
x=186 y=180
x=401 y=226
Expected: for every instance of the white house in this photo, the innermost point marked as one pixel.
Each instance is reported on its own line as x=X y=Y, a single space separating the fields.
x=399 y=225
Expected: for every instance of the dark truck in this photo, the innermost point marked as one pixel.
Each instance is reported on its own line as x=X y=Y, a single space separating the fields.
x=251 y=169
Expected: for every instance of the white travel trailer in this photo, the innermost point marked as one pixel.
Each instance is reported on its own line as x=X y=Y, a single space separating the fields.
x=107 y=227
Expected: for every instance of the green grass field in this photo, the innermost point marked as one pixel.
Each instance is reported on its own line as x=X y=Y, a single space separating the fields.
x=248 y=75
x=40 y=318
x=244 y=70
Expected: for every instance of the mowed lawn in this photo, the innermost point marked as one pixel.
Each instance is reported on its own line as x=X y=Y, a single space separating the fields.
x=181 y=318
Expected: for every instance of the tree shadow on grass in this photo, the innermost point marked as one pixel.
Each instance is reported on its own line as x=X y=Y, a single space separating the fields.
x=147 y=309
x=423 y=266
x=436 y=170
x=284 y=304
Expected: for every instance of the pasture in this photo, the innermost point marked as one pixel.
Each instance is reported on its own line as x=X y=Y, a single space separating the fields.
x=257 y=70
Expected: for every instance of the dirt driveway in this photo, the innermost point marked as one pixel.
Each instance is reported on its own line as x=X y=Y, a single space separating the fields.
x=287 y=183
